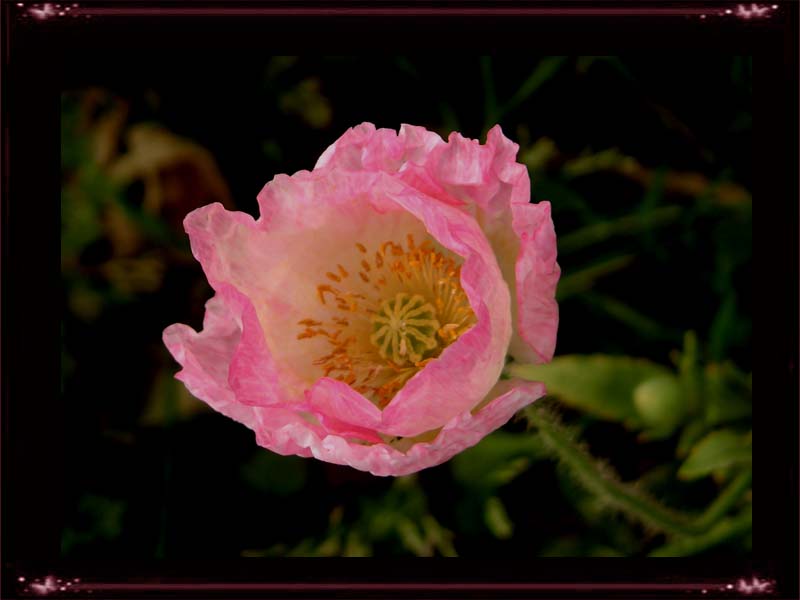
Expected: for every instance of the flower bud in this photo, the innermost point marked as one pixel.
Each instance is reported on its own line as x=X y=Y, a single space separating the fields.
x=660 y=402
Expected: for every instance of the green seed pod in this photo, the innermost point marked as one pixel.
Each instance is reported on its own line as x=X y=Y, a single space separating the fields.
x=660 y=402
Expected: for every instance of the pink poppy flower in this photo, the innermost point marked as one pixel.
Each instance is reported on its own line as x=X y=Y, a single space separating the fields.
x=365 y=317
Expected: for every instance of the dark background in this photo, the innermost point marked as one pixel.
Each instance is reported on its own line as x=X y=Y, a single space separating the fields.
x=148 y=475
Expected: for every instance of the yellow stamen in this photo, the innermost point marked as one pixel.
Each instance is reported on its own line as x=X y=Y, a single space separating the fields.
x=413 y=308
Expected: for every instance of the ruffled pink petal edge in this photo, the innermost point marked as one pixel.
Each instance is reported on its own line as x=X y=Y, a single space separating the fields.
x=461 y=432
x=364 y=147
x=490 y=175
x=205 y=358
x=205 y=355
x=458 y=380
x=537 y=275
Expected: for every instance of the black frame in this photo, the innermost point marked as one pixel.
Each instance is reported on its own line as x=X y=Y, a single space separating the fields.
x=41 y=55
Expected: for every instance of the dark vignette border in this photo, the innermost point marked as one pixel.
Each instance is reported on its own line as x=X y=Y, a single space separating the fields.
x=44 y=50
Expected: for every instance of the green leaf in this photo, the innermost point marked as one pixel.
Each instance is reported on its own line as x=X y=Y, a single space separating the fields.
x=544 y=72
x=355 y=546
x=571 y=546
x=604 y=160
x=689 y=371
x=440 y=537
x=496 y=518
x=568 y=199
x=631 y=224
x=643 y=325
x=274 y=474
x=584 y=280
x=537 y=156
x=412 y=539
x=721 y=327
x=169 y=401
x=718 y=450
x=307 y=101
x=724 y=531
x=331 y=546
x=599 y=385
x=100 y=518
x=498 y=459
x=728 y=397
x=690 y=435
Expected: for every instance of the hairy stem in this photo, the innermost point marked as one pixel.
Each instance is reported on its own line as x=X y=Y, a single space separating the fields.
x=603 y=482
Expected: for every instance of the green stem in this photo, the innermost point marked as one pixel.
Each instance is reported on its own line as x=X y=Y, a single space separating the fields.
x=544 y=71
x=604 y=483
x=725 y=501
x=722 y=532
x=627 y=225
x=690 y=371
x=584 y=280
x=629 y=316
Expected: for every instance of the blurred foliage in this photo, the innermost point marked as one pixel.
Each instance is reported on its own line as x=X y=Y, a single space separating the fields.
x=398 y=522
x=602 y=386
x=644 y=445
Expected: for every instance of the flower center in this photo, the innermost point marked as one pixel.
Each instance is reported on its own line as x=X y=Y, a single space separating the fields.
x=405 y=329
x=404 y=308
